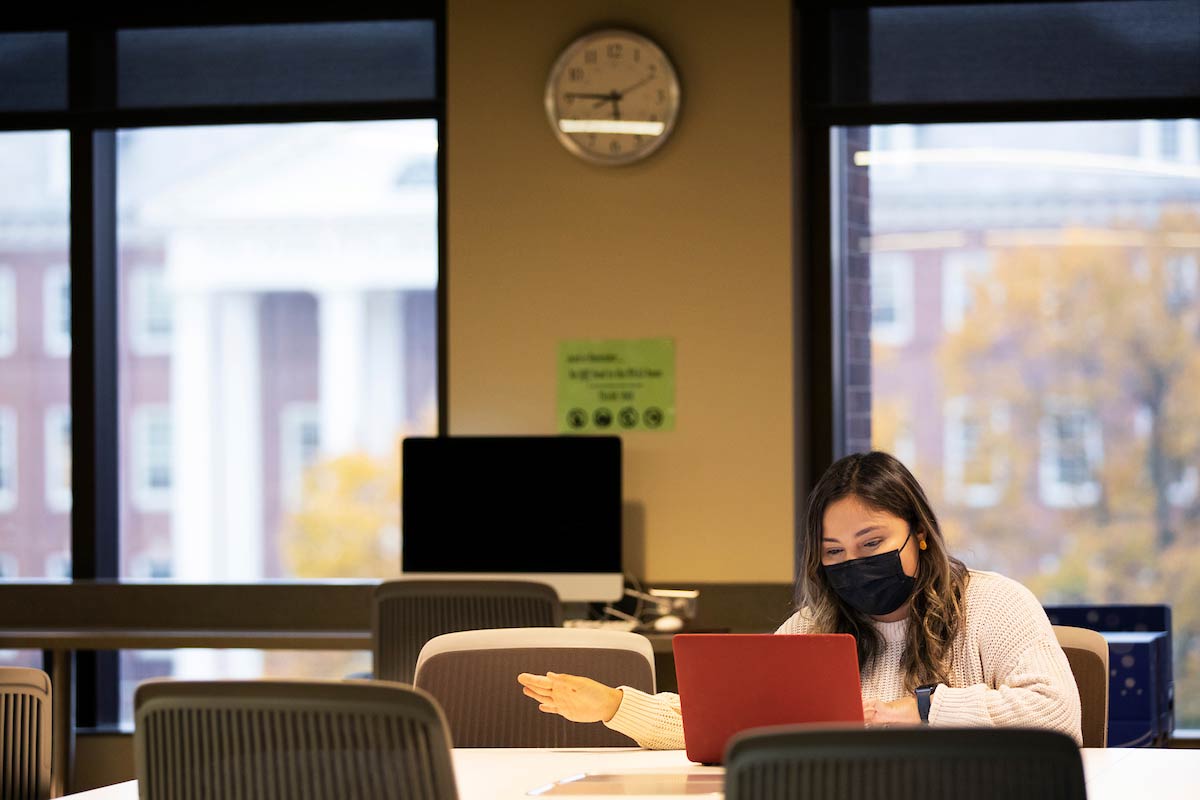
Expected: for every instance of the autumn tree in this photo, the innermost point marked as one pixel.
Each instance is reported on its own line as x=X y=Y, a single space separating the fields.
x=1092 y=336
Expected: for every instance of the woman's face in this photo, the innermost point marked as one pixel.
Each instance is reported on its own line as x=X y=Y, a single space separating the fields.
x=853 y=530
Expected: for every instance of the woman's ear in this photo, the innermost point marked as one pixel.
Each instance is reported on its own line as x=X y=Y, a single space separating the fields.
x=921 y=540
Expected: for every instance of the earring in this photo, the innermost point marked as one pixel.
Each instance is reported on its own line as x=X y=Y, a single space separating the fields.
x=923 y=545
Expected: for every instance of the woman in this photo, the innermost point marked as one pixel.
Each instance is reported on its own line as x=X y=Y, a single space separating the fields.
x=937 y=643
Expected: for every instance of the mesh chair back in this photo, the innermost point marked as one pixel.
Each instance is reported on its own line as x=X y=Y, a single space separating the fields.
x=1087 y=651
x=473 y=675
x=24 y=734
x=903 y=764
x=407 y=614
x=280 y=740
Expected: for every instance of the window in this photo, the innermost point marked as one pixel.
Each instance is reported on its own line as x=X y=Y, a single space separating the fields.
x=300 y=445
x=58 y=565
x=155 y=565
x=56 y=310
x=1065 y=267
x=892 y=429
x=1071 y=455
x=963 y=271
x=1086 y=312
x=152 y=458
x=150 y=312
x=8 y=311
x=1182 y=279
x=58 y=458
x=891 y=298
x=1183 y=481
x=8 y=566
x=34 y=217
x=8 y=460
x=288 y=345
x=975 y=466
x=226 y=255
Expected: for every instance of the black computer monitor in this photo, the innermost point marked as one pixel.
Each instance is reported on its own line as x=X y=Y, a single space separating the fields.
x=545 y=508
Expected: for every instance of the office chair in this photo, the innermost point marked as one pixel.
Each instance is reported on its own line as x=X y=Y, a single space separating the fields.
x=913 y=763
x=407 y=614
x=25 y=731
x=279 y=740
x=1087 y=652
x=473 y=675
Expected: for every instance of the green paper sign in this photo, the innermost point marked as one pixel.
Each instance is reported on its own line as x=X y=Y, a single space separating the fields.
x=615 y=385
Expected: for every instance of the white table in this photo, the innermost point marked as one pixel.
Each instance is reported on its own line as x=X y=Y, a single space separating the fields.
x=509 y=774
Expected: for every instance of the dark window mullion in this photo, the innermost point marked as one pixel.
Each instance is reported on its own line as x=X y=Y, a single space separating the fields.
x=815 y=366
x=866 y=114
x=443 y=304
x=94 y=420
x=216 y=115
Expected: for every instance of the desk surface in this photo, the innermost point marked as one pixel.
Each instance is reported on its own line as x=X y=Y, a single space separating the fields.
x=509 y=774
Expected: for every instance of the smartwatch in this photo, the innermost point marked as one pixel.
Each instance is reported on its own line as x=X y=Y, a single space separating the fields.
x=924 y=696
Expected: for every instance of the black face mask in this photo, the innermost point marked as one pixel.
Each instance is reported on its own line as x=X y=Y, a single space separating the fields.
x=875 y=585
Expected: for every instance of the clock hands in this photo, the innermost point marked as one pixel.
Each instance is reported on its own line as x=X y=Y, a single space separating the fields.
x=642 y=82
x=615 y=96
x=603 y=97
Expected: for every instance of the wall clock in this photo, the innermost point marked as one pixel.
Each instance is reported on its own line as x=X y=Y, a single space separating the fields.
x=612 y=97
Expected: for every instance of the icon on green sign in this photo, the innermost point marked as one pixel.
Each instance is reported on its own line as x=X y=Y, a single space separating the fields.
x=602 y=418
x=653 y=417
x=628 y=417
x=577 y=418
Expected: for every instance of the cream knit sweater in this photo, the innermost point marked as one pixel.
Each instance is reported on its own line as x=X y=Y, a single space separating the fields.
x=1007 y=669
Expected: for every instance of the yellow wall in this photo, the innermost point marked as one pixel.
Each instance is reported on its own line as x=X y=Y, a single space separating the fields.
x=695 y=243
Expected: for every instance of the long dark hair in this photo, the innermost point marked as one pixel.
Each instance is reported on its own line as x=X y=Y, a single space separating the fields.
x=882 y=483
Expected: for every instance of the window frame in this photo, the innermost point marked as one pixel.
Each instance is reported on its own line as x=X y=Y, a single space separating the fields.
x=957 y=488
x=144 y=341
x=821 y=373
x=901 y=274
x=819 y=291
x=146 y=496
x=10 y=449
x=292 y=422
x=56 y=288
x=959 y=268
x=91 y=118
x=9 y=324
x=59 y=496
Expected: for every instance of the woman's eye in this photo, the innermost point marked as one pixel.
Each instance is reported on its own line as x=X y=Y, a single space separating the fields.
x=874 y=542
x=834 y=552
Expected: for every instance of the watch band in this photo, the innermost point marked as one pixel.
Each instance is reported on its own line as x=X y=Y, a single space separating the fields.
x=924 y=698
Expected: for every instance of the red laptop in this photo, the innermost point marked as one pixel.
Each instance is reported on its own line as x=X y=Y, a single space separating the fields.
x=729 y=682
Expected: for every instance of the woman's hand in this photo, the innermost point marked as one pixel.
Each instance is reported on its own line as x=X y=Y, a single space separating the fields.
x=878 y=714
x=578 y=699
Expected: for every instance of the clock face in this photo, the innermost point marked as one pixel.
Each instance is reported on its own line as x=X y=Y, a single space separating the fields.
x=612 y=97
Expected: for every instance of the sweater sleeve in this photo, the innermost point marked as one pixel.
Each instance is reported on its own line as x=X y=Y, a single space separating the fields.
x=1028 y=678
x=654 y=721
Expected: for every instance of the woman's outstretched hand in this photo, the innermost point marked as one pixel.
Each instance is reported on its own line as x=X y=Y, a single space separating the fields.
x=571 y=696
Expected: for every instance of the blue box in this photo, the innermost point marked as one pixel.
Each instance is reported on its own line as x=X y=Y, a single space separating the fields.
x=1134 y=668
x=1141 y=695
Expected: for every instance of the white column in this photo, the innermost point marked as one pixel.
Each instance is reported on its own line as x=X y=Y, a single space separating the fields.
x=1189 y=140
x=384 y=409
x=216 y=424
x=239 y=534
x=193 y=519
x=342 y=325
x=192 y=423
